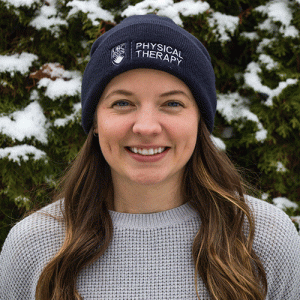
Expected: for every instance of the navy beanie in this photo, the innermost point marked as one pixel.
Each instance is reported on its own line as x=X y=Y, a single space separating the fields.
x=150 y=42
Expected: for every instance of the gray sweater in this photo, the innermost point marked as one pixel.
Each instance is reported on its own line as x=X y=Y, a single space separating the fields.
x=149 y=256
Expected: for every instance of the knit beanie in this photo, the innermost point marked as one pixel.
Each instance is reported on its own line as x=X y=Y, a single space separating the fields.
x=150 y=42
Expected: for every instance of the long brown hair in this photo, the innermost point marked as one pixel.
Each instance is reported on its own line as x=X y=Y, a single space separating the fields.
x=222 y=248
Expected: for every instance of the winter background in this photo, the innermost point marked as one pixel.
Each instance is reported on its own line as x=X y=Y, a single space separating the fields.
x=44 y=47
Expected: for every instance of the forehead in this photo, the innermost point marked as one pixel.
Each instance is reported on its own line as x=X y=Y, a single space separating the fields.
x=147 y=79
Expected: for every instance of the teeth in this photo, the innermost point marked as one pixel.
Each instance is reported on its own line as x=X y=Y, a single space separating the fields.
x=150 y=151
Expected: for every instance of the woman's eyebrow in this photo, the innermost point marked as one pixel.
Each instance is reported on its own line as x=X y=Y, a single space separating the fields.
x=119 y=92
x=175 y=92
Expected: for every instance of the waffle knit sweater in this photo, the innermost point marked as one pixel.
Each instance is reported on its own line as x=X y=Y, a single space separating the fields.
x=149 y=256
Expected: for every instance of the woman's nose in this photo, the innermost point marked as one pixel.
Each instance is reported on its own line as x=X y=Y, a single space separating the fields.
x=147 y=123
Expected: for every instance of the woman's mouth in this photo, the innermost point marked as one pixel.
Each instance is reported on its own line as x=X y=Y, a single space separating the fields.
x=147 y=152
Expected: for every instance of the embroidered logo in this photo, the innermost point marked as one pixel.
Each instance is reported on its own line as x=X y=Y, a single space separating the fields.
x=158 y=51
x=118 y=54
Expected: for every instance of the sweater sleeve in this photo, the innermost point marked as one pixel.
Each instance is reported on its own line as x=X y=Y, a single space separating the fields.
x=277 y=243
x=29 y=245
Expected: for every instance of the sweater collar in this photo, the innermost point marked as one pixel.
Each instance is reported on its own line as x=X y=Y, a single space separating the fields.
x=161 y=219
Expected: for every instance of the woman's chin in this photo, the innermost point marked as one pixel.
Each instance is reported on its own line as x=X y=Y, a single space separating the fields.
x=148 y=180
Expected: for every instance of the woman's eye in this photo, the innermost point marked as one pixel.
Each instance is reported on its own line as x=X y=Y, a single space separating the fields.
x=174 y=104
x=121 y=103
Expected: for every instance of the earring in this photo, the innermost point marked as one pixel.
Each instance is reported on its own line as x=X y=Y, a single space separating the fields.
x=95 y=134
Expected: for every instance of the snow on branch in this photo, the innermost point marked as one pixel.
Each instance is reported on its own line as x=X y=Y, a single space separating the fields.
x=48 y=18
x=253 y=80
x=71 y=117
x=60 y=87
x=27 y=123
x=265 y=44
x=250 y=35
x=278 y=11
x=283 y=203
x=225 y=25
x=57 y=81
x=280 y=167
x=92 y=9
x=19 y=3
x=218 y=143
x=268 y=61
x=17 y=63
x=22 y=152
x=167 y=8
x=233 y=107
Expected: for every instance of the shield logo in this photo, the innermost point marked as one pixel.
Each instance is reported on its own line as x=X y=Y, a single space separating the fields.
x=118 y=54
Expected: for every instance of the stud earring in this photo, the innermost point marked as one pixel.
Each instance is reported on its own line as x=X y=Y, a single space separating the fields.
x=95 y=133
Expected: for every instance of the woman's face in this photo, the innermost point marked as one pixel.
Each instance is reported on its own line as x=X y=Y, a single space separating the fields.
x=147 y=122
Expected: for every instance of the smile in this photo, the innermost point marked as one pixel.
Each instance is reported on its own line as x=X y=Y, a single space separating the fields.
x=147 y=152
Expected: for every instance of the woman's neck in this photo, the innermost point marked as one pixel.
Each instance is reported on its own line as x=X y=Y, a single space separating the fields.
x=144 y=199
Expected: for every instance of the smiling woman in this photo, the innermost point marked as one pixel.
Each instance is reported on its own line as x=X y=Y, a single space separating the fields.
x=150 y=208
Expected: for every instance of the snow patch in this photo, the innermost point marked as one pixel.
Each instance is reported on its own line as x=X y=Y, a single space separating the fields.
x=191 y=8
x=261 y=134
x=92 y=9
x=218 y=143
x=34 y=95
x=278 y=11
x=60 y=87
x=265 y=43
x=22 y=201
x=253 y=80
x=22 y=152
x=19 y=3
x=250 y=35
x=57 y=81
x=268 y=25
x=17 y=63
x=63 y=121
x=283 y=203
x=167 y=8
x=296 y=219
x=148 y=6
x=280 y=167
x=26 y=123
x=48 y=18
x=291 y=31
x=234 y=107
x=268 y=61
x=224 y=24
x=53 y=70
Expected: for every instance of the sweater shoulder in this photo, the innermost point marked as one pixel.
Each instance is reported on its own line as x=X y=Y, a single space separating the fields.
x=273 y=227
x=30 y=244
x=268 y=216
x=277 y=244
x=37 y=226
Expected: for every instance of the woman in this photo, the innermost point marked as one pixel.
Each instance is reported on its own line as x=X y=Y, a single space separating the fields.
x=150 y=208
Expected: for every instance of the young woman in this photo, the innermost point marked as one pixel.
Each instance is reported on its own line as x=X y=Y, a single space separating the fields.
x=150 y=209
